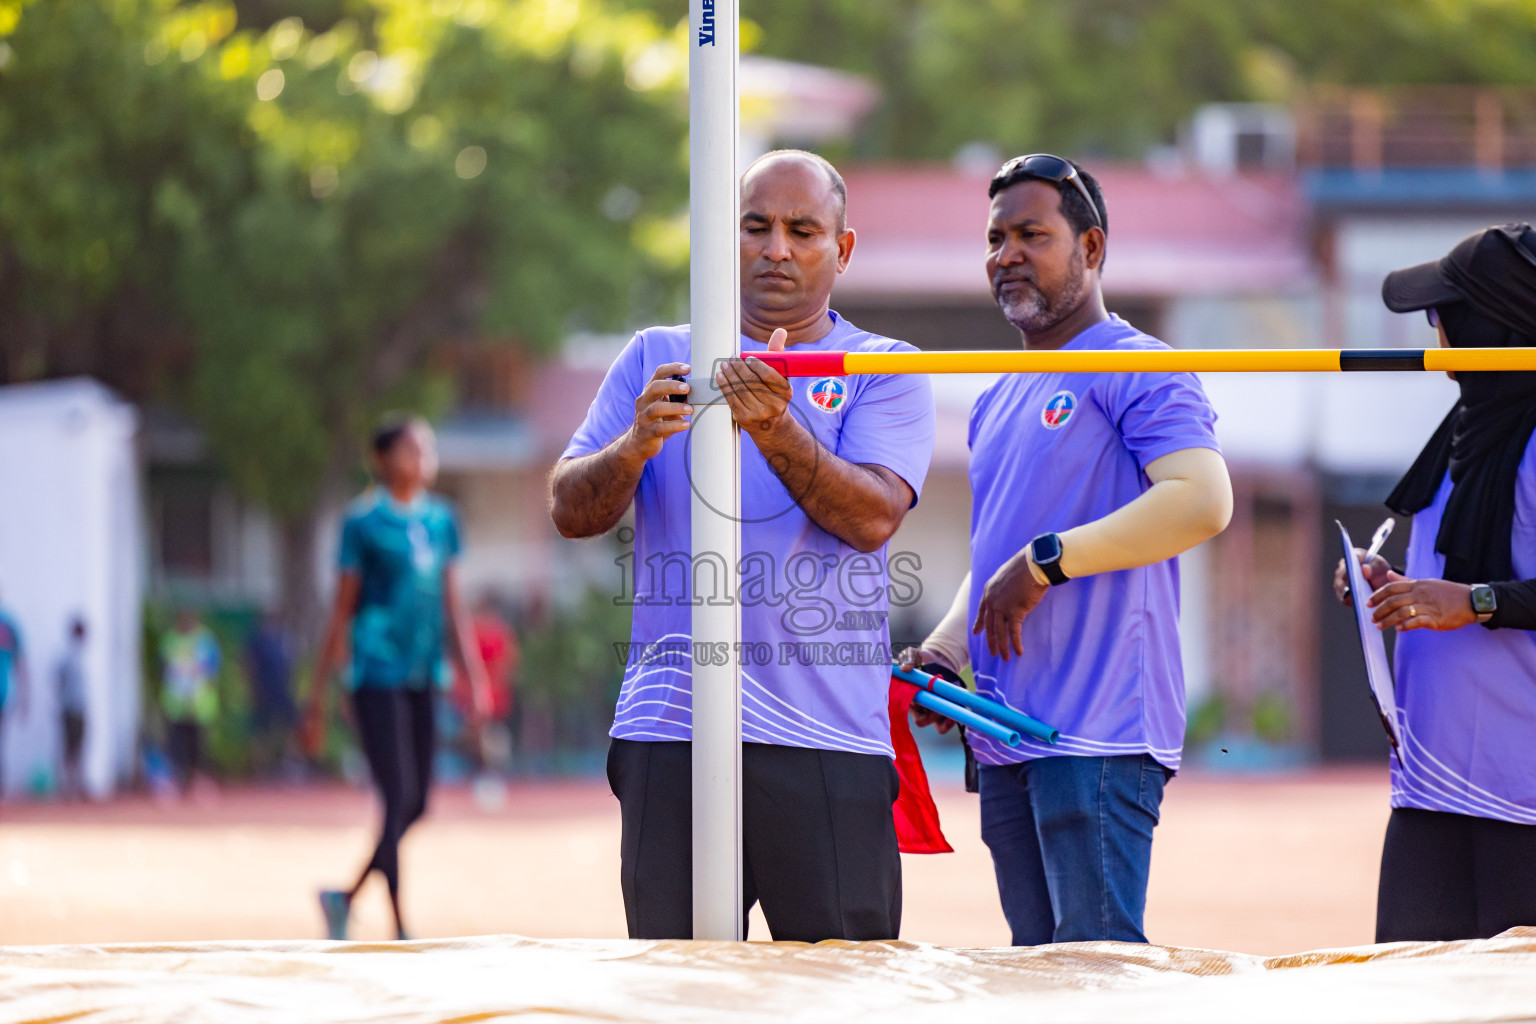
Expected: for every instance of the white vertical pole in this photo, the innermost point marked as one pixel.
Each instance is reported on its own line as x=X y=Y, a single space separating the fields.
x=714 y=216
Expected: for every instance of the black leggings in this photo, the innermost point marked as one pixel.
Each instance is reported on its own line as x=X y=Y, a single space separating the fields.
x=396 y=727
x=1451 y=876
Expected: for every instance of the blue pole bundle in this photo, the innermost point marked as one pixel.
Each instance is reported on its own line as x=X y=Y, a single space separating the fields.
x=966 y=717
x=1015 y=720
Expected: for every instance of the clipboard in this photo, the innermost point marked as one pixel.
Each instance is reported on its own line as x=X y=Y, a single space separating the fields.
x=1377 y=670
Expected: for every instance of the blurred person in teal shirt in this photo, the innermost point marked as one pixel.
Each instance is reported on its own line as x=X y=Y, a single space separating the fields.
x=398 y=601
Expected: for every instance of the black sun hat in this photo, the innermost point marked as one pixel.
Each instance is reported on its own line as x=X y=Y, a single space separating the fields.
x=1493 y=269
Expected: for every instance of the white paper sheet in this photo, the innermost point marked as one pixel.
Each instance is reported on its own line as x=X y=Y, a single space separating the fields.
x=1377 y=670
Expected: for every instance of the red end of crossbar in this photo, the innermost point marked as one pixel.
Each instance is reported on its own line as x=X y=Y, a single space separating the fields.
x=802 y=364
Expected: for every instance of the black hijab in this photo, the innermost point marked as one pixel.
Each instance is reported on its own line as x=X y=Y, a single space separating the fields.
x=1483 y=439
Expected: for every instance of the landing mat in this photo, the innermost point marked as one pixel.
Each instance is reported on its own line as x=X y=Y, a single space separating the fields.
x=506 y=977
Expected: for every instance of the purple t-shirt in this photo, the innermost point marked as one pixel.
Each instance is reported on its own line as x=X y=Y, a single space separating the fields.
x=815 y=647
x=1050 y=452
x=1467 y=698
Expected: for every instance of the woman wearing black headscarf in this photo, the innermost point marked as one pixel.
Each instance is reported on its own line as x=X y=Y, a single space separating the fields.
x=1459 y=860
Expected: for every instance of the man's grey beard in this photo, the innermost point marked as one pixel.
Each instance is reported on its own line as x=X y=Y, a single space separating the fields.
x=1031 y=311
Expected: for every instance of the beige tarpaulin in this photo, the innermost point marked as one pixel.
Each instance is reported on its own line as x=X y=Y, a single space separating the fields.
x=505 y=977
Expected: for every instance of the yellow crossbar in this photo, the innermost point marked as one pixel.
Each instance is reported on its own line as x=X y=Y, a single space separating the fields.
x=1193 y=360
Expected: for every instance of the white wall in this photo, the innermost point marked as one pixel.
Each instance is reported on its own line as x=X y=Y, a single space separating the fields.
x=70 y=545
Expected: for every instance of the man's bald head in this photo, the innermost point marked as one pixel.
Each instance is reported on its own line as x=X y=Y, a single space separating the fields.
x=835 y=183
x=795 y=240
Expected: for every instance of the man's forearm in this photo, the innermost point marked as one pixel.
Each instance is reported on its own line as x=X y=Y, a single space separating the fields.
x=852 y=502
x=590 y=493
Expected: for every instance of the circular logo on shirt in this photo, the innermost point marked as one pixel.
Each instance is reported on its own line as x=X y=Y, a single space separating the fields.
x=1058 y=410
x=828 y=393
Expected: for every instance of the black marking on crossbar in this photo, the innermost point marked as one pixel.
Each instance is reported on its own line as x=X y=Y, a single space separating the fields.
x=1381 y=359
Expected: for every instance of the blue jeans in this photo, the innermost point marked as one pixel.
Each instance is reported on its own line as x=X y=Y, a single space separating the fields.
x=1071 y=841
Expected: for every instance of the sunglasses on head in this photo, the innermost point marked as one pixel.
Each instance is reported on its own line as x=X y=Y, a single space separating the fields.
x=1433 y=315
x=1048 y=167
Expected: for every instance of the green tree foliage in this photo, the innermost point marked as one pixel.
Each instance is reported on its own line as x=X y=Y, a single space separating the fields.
x=97 y=127
x=278 y=228
x=1115 y=76
x=439 y=183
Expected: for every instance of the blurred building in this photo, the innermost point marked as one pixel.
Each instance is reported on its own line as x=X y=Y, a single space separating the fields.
x=205 y=545
x=69 y=527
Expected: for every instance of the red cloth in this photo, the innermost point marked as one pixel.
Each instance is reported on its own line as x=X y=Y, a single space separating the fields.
x=917 y=819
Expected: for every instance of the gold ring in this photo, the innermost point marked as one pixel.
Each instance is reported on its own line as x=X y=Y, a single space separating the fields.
x=1411 y=612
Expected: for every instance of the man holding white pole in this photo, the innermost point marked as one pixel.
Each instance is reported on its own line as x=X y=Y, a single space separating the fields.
x=828 y=471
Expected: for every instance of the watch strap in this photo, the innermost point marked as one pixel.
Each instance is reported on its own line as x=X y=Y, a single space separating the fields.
x=1052 y=571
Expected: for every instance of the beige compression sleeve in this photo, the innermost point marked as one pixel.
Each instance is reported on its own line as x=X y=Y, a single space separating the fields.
x=950 y=639
x=1190 y=501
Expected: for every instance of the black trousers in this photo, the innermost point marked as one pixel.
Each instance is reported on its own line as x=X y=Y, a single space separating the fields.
x=74 y=738
x=397 y=731
x=818 y=840
x=184 y=741
x=1452 y=876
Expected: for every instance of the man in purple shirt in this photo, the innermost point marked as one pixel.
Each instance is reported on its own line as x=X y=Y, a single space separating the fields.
x=1086 y=487
x=829 y=467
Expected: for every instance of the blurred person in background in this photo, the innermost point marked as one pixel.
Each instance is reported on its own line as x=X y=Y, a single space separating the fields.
x=71 y=680
x=14 y=683
x=269 y=666
x=1459 y=858
x=398 y=602
x=499 y=651
x=189 y=697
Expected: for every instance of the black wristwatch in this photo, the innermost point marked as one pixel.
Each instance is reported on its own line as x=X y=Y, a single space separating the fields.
x=1045 y=551
x=1484 y=601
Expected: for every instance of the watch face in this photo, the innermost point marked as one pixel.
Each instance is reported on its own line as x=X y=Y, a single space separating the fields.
x=1483 y=600
x=1045 y=548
